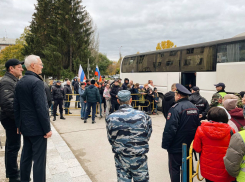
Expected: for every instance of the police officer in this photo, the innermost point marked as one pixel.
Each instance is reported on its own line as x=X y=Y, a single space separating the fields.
x=129 y=131
x=58 y=96
x=220 y=87
x=200 y=102
x=181 y=125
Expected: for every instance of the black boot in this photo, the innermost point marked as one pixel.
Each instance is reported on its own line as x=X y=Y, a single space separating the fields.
x=85 y=121
x=54 y=118
x=17 y=179
x=61 y=116
x=93 y=122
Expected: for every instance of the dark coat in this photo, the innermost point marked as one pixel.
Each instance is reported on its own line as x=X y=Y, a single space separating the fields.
x=76 y=87
x=125 y=86
x=7 y=87
x=48 y=94
x=181 y=125
x=30 y=106
x=114 y=91
x=67 y=90
x=58 y=93
x=167 y=103
x=201 y=103
x=91 y=94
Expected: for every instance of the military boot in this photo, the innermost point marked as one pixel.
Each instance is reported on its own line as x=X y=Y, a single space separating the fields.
x=54 y=118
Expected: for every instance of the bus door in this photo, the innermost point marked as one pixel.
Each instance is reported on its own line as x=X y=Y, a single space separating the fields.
x=188 y=80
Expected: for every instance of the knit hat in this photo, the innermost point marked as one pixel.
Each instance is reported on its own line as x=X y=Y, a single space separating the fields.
x=230 y=104
x=93 y=82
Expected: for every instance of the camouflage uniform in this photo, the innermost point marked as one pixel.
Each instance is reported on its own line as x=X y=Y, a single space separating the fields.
x=215 y=100
x=128 y=132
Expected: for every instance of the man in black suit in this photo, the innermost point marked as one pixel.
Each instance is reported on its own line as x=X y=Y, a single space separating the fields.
x=32 y=120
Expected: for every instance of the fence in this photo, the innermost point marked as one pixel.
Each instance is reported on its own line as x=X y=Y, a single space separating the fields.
x=184 y=164
x=142 y=99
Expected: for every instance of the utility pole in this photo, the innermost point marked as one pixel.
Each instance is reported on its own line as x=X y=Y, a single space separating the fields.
x=88 y=68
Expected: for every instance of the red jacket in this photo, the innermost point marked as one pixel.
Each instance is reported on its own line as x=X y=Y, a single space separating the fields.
x=237 y=117
x=212 y=140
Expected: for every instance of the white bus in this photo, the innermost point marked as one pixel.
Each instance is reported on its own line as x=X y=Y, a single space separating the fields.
x=201 y=65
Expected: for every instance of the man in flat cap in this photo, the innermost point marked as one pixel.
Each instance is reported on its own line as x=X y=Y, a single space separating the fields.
x=12 y=145
x=181 y=125
x=128 y=132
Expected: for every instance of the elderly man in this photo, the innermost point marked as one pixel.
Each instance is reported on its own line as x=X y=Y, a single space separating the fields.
x=32 y=120
x=128 y=132
x=12 y=144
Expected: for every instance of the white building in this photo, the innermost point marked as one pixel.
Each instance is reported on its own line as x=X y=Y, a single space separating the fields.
x=4 y=42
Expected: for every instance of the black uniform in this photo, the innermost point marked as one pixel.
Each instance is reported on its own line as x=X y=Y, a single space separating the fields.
x=167 y=103
x=201 y=103
x=181 y=125
x=114 y=91
x=58 y=96
x=67 y=90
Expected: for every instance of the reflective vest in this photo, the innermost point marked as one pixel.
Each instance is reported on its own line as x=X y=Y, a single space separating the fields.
x=222 y=94
x=241 y=175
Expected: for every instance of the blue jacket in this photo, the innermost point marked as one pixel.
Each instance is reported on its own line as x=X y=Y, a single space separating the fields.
x=91 y=94
x=81 y=92
x=30 y=106
x=129 y=131
x=181 y=125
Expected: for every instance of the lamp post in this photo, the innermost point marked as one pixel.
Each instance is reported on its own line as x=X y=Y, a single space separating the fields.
x=120 y=56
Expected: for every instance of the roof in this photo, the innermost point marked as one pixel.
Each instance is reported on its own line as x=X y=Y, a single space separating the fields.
x=240 y=35
x=7 y=41
x=234 y=39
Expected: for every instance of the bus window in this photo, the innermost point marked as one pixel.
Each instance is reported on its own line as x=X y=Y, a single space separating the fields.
x=198 y=59
x=147 y=63
x=129 y=65
x=234 y=52
x=169 y=62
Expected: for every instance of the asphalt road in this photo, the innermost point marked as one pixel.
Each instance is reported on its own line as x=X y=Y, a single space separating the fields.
x=90 y=145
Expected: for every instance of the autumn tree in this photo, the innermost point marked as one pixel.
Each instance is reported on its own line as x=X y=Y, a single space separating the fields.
x=165 y=45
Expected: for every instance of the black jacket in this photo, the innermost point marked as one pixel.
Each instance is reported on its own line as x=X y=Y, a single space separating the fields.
x=201 y=103
x=181 y=125
x=30 y=106
x=125 y=86
x=76 y=87
x=114 y=91
x=7 y=87
x=91 y=94
x=167 y=103
x=48 y=94
x=67 y=90
x=58 y=93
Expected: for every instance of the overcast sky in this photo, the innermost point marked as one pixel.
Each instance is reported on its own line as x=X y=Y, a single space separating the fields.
x=138 y=25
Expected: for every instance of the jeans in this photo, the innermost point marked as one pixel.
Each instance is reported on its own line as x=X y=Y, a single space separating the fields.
x=12 y=147
x=108 y=106
x=100 y=106
x=88 y=110
x=77 y=99
x=83 y=109
x=67 y=105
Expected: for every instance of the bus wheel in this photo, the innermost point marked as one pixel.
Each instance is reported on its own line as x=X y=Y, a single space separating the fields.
x=159 y=104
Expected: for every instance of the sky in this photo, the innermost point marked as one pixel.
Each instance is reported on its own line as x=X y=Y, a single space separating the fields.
x=132 y=26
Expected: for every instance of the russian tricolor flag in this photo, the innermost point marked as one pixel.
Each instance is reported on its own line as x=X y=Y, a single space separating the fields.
x=97 y=73
x=81 y=74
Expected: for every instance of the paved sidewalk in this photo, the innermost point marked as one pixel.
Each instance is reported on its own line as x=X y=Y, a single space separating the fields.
x=62 y=166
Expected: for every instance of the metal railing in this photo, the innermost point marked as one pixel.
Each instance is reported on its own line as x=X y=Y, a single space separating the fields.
x=134 y=101
x=184 y=164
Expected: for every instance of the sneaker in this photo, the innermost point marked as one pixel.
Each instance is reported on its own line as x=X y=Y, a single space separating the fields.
x=82 y=118
x=85 y=121
x=93 y=122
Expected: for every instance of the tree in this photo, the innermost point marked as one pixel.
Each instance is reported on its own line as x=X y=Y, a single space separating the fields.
x=60 y=33
x=165 y=45
x=112 y=69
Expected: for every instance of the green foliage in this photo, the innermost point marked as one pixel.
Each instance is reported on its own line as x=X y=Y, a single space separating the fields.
x=103 y=64
x=66 y=73
x=60 y=33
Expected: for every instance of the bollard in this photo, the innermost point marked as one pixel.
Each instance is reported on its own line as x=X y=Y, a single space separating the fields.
x=184 y=162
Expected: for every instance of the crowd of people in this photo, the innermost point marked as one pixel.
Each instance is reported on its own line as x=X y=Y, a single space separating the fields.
x=101 y=96
x=217 y=130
